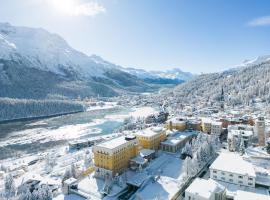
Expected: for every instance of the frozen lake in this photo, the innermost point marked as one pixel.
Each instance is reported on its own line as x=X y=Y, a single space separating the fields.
x=19 y=138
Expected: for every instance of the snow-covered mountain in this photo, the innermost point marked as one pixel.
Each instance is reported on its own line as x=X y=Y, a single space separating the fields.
x=258 y=60
x=37 y=64
x=47 y=51
x=171 y=74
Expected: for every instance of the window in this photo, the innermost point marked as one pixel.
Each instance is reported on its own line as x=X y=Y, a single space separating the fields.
x=231 y=175
x=240 y=182
x=230 y=180
x=214 y=171
x=251 y=179
x=215 y=176
x=223 y=178
x=222 y=173
x=250 y=184
x=240 y=176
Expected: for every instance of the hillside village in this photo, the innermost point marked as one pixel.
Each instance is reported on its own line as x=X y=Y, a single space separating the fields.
x=216 y=152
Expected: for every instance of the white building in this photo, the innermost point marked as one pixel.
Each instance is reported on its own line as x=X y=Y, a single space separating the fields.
x=201 y=189
x=244 y=195
x=247 y=136
x=216 y=128
x=233 y=168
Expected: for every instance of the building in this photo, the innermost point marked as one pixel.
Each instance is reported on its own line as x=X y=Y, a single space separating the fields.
x=151 y=138
x=176 y=123
x=244 y=195
x=206 y=125
x=234 y=135
x=201 y=189
x=194 y=124
x=260 y=130
x=216 y=128
x=176 y=141
x=113 y=156
x=233 y=168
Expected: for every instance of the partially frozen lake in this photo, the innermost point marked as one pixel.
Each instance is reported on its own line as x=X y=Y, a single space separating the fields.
x=35 y=136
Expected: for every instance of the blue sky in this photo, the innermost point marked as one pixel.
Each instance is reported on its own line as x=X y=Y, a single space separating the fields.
x=196 y=36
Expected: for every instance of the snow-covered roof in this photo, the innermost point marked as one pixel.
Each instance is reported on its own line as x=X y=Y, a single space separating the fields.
x=149 y=132
x=139 y=160
x=215 y=123
x=204 y=188
x=177 y=138
x=177 y=120
x=114 y=143
x=206 y=120
x=70 y=181
x=146 y=152
x=240 y=195
x=234 y=163
x=243 y=132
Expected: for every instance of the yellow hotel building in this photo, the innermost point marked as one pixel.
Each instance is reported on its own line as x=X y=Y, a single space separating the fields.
x=113 y=156
x=151 y=138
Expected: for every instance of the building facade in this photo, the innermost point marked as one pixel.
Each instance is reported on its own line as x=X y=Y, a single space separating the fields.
x=176 y=123
x=232 y=168
x=216 y=128
x=113 y=156
x=206 y=125
x=151 y=138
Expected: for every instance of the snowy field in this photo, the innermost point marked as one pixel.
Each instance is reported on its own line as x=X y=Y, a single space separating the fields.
x=169 y=166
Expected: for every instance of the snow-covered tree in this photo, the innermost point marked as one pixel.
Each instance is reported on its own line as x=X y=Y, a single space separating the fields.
x=187 y=150
x=268 y=146
x=9 y=185
x=50 y=162
x=242 y=148
x=45 y=192
x=70 y=172
x=88 y=162
x=26 y=195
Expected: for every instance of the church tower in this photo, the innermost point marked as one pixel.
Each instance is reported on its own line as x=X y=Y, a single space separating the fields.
x=260 y=130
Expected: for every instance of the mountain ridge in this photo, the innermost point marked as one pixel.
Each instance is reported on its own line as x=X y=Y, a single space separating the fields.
x=67 y=72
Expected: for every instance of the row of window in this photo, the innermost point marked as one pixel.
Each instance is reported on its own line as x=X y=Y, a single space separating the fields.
x=231 y=180
x=231 y=175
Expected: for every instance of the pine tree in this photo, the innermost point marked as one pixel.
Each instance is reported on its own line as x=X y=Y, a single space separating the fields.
x=242 y=145
x=10 y=188
x=268 y=146
x=26 y=195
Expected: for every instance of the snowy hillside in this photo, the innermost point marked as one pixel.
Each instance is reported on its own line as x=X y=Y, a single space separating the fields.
x=37 y=64
x=242 y=85
x=46 y=51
